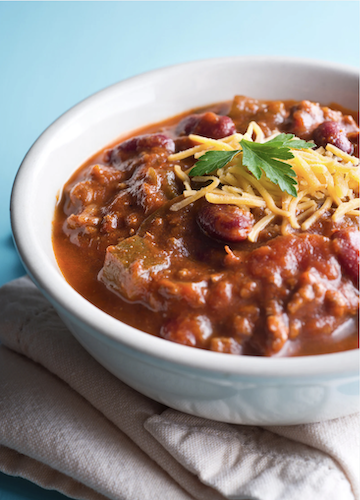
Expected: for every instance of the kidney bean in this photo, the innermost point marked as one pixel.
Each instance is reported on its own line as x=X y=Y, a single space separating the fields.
x=148 y=141
x=225 y=222
x=346 y=244
x=208 y=125
x=330 y=132
x=137 y=144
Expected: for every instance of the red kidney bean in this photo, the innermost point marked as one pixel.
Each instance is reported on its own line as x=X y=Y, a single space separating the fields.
x=346 y=244
x=208 y=125
x=137 y=144
x=225 y=222
x=330 y=132
x=148 y=141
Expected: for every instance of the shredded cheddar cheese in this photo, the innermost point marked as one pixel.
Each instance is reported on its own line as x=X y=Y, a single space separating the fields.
x=327 y=180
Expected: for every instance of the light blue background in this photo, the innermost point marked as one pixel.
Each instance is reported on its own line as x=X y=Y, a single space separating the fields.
x=53 y=55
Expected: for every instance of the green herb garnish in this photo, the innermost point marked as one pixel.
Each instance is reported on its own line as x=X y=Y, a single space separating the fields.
x=259 y=158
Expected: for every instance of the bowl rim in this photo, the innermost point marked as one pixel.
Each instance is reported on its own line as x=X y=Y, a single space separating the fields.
x=61 y=294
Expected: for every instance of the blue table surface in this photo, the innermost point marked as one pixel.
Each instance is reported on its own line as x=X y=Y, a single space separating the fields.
x=53 y=55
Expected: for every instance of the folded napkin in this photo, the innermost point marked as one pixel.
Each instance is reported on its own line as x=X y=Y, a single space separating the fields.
x=68 y=424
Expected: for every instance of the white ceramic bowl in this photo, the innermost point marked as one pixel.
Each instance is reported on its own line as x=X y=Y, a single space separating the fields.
x=239 y=389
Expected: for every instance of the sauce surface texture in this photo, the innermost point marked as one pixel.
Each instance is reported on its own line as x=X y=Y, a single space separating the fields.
x=191 y=275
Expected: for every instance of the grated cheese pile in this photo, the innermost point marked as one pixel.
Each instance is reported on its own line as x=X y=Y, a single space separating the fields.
x=328 y=179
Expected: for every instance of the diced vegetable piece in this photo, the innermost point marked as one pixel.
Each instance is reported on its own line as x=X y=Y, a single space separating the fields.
x=130 y=266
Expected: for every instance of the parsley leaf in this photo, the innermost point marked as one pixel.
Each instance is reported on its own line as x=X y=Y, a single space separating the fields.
x=278 y=172
x=213 y=160
x=259 y=158
x=287 y=141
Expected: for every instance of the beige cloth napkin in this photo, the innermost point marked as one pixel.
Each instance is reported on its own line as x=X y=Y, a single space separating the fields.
x=69 y=425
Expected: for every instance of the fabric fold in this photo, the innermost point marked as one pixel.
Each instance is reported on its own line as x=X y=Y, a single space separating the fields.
x=335 y=438
x=239 y=460
x=16 y=464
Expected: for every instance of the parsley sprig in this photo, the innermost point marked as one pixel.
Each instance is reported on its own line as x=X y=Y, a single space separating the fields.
x=259 y=158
